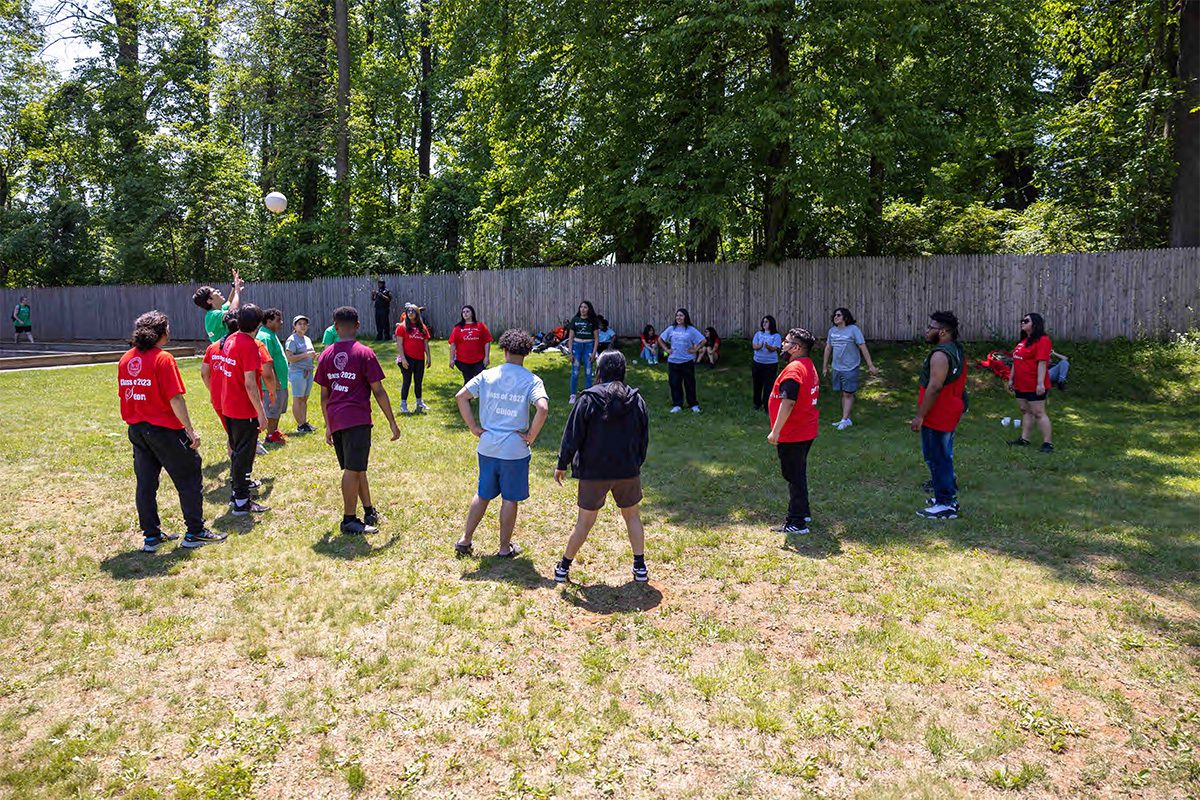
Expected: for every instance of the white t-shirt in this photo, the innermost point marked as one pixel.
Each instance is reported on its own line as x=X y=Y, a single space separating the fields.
x=505 y=394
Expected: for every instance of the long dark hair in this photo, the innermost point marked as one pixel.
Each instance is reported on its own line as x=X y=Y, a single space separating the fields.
x=1037 y=328
x=649 y=329
x=847 y=317
x=771 y=326
x=591 y=310
x=687 y=318
x=710 y=336
x=148 y=329
x=461 y=321
x=420 y=323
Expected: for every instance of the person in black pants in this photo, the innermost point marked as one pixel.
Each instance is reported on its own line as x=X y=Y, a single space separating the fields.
x=764 y=365
x=160 y=430
x=382 y=297
x=681 y=342
x=241 y=404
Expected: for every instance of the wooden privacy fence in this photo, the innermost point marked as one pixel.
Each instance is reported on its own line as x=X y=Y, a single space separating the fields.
x=1083 y=296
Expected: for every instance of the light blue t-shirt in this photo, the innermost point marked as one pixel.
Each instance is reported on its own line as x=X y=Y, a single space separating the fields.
x=297 y=344
x=606 y=336
x=505 y=394
x=679 y=338
x=845 y=342
x=763 y=355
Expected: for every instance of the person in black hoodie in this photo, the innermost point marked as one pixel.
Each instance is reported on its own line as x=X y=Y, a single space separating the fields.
x=605 y=444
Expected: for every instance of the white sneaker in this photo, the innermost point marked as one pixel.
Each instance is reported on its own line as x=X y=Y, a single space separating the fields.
x=403 y=407
x=675 y=409
x=841 y=426
x=259 y=450
x=695 y=409
x=421 y=406
x=571 y=401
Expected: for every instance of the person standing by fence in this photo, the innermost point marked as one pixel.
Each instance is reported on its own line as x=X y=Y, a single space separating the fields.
x=382 y=298
x=941 y=402
x=412 y=354
x=152 y=405
x=847 y=347
x=22 y=319
x=764 y=365
x=215 y=306
x=581 y=341
x=681 y=342
x=470 y=344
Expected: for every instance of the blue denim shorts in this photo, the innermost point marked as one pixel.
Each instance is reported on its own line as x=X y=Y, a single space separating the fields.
x=845 y=380
x=504 y=477
x=301 y=382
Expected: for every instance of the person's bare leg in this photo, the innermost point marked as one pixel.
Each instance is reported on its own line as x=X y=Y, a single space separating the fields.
x=475 y=514
x=349 y=493
x=272 y=425
x=637 y=534
x=300 y=410
x=1026 y=420
x=583 y=525
x=508 y=522
x=364 y=489
x=847 y=404
x=1042 y=419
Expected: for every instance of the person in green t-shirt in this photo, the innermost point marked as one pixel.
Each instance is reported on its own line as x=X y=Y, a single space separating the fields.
x=215 y=306
x=330 y=336
x=275 y=393
x=22 y=321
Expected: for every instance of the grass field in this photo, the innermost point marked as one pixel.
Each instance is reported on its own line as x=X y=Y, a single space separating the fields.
x=1046 y=644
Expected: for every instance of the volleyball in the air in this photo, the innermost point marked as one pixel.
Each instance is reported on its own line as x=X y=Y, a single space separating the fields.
x=275 y=202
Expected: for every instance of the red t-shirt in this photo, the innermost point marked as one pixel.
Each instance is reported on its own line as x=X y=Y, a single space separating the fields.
x=215 y=374
x=469 y=341
x=147 y=381
x=242 y=353
x=414 y=340
x=801 y=425
x=1025 y=364
x=347 y=368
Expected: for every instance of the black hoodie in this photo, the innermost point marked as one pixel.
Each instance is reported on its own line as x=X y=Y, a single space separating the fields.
x=607 y=433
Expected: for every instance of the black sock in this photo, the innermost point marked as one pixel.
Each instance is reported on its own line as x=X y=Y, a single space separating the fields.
x=565 y=563
x=368 y=510
x=348 y=518
x=639 y=561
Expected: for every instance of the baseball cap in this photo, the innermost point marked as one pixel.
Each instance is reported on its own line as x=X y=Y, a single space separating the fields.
x=299 y=317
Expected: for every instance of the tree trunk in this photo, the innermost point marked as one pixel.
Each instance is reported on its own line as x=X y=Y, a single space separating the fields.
x=425 y=139
x=776 y=195
x=703 y=240
x=341 y=35
x=1185 y=195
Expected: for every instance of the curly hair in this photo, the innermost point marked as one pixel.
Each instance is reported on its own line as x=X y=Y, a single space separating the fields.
x=148 y=329
x=516 y=341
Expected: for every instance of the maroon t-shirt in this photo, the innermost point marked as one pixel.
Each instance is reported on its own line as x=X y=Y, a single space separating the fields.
x=348 y=368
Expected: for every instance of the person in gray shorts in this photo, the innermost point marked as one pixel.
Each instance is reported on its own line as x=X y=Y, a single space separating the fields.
x=847 y=346
x=300 y=355
x=604 y=444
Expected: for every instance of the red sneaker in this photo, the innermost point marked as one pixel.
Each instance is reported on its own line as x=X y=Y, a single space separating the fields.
x=275 y=438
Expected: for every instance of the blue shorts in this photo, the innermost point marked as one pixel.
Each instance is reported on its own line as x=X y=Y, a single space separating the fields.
x=506 y=477
x=301 y=382
x=845 y=380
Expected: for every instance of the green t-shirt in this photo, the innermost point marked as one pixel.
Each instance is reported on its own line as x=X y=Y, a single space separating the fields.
x=21 y=320
x=330 y=336
x=214 y=323
x=275 y=349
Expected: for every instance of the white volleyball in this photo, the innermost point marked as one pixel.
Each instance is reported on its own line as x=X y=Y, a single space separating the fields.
x=275 y=202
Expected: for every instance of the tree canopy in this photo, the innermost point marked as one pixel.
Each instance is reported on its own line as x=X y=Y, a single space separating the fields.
x=425 y=135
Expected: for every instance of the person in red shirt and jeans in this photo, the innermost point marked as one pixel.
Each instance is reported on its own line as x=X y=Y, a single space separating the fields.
x=792 y=407
x=941 y=402
x=240 y=366
x=160 y=430
x=1030 y=379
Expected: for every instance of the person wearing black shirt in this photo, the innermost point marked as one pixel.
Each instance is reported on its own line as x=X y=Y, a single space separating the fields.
x=382 y=297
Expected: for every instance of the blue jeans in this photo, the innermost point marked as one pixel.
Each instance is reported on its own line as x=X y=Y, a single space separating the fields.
x=937 y=447
x=581 y=353
x=1058 y=373
x=650 y=355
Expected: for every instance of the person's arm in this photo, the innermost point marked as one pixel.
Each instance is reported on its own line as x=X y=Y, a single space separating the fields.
x=664 y=344
x=539 y=419
x=487 y=354
x=463 y=398
x=825 y=359
x=453 y=348
x=179 y=406
x=695 y=348
x=785 y=410
x=644 y=439
x=572 y=439
x=325 y=394
x=206 y=375
x=939 y=368
x=401 y=358
x=235 y=296
x=1042 y=366
x=385 y=405
x=773 y=348
x=428 y=355
x=250 y=381
x=867 y=355
x=571 y=340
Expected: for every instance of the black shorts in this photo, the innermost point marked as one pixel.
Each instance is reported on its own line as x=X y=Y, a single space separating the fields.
x=1031 y=396
x=353 y=447
x=23 y=328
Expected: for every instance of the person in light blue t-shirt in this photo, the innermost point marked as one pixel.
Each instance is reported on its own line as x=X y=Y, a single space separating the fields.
x=765 y=365
x=681 y=342
x=846 y=344
x=505 y=393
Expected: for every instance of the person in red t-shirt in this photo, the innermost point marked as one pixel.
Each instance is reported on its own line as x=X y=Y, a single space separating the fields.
x=241 y=367
x=160 y=430
x=210 y=371
x=470 y=345
x=792 y=407
x=941 y=402
x=349 y=374
x=1030 y=379
x=412 y=354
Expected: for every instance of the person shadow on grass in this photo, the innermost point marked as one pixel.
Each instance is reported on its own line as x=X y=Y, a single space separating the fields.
x=600 y=598
x=349 y=546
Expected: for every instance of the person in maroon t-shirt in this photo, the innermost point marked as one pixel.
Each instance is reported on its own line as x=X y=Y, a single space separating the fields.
x=792 y=407
x=241 y=404
x=1030 y=379
x=160 y=430
x=349 y=374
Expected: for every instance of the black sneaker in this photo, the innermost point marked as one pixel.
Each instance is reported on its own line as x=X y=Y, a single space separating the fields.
x=249 y=507
x=792 y=530
x=640 y=574
x=194 y=540
x=305 y=428
x=1019 y=442
x=356 y=525
x=561 y=574
x=1062 y=386
x=1046 y=448
x=371 y=517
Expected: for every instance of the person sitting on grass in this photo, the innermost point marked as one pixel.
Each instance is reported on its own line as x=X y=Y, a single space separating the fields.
x=606 y=337
x=301 y=361
x=793 y=411
x=152 y=405
x=349 y=374
x=710 y=350
x=1058 y=370
x=505 y=393
x=275 y=386
x=604 y=443
x=215 y=306
x=649 y=340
